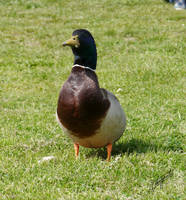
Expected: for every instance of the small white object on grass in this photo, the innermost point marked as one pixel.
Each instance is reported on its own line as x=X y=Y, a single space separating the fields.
x=119 y=89
x=46 y=158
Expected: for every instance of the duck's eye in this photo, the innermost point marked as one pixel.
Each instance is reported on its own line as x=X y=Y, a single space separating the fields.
x=74 y=38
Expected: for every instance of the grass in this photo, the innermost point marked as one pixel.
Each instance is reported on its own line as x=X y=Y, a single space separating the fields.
x=141 y=58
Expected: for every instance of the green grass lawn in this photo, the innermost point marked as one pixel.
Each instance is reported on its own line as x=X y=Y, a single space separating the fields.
x=141 y=58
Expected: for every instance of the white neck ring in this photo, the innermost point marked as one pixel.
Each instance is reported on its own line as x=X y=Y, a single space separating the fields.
x=76 y=65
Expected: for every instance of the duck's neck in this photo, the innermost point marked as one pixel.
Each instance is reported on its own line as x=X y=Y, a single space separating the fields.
x=87 y=61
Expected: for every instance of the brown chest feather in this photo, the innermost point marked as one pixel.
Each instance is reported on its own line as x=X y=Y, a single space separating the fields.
x=81 y=104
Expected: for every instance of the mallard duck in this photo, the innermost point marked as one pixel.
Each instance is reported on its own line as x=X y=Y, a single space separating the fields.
x=91 y=116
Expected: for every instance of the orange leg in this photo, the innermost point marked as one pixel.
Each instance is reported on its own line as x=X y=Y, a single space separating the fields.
x=76 y=148
x=109 y=150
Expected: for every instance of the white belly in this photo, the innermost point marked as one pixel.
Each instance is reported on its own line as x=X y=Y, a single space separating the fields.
x=112 y=127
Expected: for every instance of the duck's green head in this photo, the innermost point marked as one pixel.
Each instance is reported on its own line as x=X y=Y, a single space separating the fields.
x=83 y=47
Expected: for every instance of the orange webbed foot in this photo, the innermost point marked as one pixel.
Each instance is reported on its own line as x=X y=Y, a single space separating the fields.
x=76 y=148
x=109 y=150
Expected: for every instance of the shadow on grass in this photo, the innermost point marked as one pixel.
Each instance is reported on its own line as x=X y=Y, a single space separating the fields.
x=133 y=146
